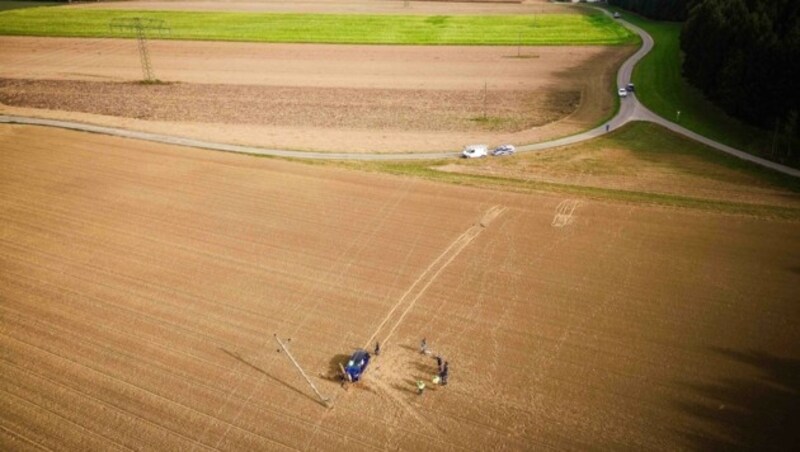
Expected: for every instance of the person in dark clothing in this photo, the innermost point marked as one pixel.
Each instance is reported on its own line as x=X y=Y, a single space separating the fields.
x=439 y=363
x=377 y=348
x=444 y=373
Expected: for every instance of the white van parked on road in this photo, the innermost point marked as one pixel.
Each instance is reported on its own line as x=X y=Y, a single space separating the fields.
x=474 y=151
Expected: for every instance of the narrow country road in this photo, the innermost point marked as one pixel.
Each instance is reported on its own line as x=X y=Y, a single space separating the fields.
x=630 y=110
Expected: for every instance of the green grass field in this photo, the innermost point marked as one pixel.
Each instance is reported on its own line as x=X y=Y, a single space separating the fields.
x=547 y=29
x=662 y=88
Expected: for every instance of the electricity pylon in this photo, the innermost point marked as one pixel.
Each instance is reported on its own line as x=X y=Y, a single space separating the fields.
x=141 y=27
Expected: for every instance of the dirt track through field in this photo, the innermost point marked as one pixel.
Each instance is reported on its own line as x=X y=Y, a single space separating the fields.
x=418 y=287
x=140 y=285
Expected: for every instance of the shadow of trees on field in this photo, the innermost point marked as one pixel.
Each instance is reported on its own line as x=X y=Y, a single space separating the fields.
x=761 y=413
x=20 y=4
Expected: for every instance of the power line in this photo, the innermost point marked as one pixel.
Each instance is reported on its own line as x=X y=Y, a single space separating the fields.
x=141 y=27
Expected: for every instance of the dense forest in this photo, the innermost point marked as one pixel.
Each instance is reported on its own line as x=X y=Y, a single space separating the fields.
x=745 y=55
x=674 y=10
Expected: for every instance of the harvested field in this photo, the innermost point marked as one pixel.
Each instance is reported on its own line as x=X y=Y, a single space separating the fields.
x=140 y=285
x=336 y=98
x=382 y=109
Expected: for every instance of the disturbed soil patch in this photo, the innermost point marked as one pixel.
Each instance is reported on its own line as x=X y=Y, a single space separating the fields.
x=398 y=109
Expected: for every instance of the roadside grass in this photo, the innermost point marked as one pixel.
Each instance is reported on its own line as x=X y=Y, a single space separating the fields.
x=662 y=88
x=543 y=29
x=645 y=141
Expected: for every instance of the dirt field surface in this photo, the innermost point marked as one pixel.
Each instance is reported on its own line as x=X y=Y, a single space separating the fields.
x=315 y=97
x=141 y=284
x=482 y=7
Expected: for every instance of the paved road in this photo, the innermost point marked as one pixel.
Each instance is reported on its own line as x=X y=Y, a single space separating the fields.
x=630 y=110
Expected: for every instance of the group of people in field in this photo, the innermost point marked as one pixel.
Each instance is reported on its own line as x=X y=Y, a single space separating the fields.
x=442 y=366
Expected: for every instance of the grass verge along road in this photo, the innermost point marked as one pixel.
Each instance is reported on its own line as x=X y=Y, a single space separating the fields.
x=638 y=163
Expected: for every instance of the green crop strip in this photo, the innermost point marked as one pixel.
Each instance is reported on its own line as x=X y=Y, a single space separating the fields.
x=543 y=29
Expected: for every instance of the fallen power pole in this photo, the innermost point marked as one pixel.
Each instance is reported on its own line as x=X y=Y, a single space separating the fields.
x=325 y=401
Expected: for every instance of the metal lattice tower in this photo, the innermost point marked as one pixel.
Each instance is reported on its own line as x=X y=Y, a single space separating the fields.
x=141 y=28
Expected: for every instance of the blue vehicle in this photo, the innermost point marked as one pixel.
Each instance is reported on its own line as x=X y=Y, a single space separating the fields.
x=356 y=365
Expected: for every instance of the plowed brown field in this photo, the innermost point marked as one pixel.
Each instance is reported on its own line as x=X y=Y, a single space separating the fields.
x=140 y=285
x=315 y=97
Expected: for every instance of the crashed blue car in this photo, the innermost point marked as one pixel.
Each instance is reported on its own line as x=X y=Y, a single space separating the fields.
x=356 y=365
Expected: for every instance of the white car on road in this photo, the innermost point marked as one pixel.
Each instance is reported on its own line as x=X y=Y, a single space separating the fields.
x=474 y=151
x=504 y=149
x=623 y=92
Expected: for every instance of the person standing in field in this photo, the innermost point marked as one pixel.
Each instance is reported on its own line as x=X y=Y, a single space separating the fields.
x=423 y=347
x=445 y=373
x=377 y=348
x=420 y=387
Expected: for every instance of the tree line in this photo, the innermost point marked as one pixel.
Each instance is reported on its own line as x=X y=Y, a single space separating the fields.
x=745 y=56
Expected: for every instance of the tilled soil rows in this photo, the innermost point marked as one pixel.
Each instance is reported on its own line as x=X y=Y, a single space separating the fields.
x=385 y=109
x=315 y=97
x=141 y=284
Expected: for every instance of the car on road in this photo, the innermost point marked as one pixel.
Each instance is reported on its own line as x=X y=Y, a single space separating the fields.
x=474 y=151
x=504 y=149
x=623 y=92
x=630 y=87
x=617 y=15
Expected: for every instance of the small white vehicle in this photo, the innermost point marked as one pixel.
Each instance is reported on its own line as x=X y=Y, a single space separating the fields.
x=504 y=149
x=623 y=92
x=617 y=15
x=474 y=151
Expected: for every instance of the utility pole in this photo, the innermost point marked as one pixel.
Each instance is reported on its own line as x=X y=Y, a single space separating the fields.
x=325 y=401
x=484 y=99
x=141 y=27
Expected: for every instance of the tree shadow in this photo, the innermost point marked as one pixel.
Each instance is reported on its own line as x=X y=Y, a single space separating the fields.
x=9 y=5
x=252 y=366
x=751 y=414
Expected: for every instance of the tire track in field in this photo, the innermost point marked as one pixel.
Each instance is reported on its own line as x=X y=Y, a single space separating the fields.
x=350 y=255
x=430 y=274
